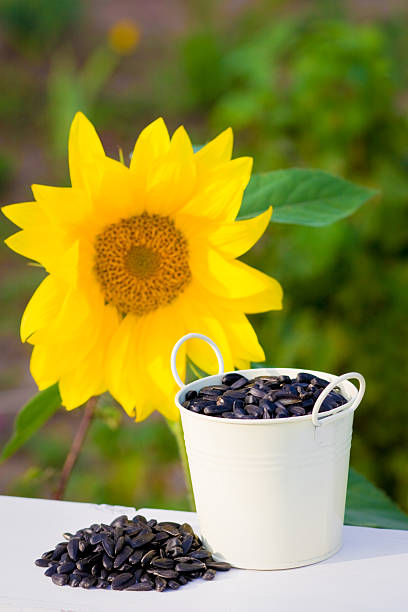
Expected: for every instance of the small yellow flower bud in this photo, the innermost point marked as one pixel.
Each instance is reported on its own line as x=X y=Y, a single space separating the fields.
x=124 y=36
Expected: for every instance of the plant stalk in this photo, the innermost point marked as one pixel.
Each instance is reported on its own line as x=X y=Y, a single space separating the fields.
x=177 y=431
x=76 y=446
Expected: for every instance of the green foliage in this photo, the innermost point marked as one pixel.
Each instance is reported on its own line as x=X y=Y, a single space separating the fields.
x=38 y=23
x=303 y=197
x=71 y=89
x=31 y=417
x=369 y=507
x=201 y=55
x=6 y=170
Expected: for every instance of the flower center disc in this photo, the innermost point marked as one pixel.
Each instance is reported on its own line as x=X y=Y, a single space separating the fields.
x=141 y=263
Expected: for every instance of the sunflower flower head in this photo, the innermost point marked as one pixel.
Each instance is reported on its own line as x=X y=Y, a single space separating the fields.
x=136 y=258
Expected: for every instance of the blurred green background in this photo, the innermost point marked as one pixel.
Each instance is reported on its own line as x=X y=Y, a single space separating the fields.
x=308 y=84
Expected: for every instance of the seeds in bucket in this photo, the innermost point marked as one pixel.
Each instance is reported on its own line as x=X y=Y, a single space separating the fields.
x=130 y=555
x=263 y=397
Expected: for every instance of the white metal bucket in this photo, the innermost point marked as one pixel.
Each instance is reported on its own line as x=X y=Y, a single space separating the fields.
x=270 y=494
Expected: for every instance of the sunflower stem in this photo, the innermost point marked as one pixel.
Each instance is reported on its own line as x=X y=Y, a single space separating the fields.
x=177 y=431
x=76 y=446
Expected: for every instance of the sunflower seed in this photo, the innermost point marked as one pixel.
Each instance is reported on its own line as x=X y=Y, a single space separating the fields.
x=163 y=563
x=47 y=555
x=160 y=536
x=122 y=556
x=140 y=586
x=107 y=562
x=209 y=574
x=164 y=573
x=120 y=521
x=145 y=578
x=251 y=400
x=136 y=556
x=66 y=568
x=82 y=545
x=215 y=410
x=254 y=411
x=73 y=548
x=147 y=558
x=119 y=582
x=221 y=566
x=191 y=395
x=190 y=567
x=74 y=580
x=200 y=554
x=296 y=410
x=230 y=378
x=87 y=582
x=186 y=543
x=96 y=538
x=60 y=579
x=108 y=545
x=239 y=383
x=170 y=528
x=160 y=583
x=143 y=539
x=257 y=392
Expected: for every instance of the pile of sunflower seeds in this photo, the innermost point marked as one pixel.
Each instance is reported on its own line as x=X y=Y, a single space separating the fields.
x=130 y=555
x=263 y=397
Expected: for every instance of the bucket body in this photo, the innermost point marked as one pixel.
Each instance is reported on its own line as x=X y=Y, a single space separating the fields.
x=270 y=494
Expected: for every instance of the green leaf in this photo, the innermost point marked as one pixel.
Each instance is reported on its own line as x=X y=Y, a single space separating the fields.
x=31 y=417
x=303 y=197
x=193 y=372
x=368 y=506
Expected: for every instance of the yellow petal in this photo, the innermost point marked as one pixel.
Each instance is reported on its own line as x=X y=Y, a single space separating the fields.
x=242 y=364
x=118 y=196
x=63 y=205
x=44 y=367
x=161 y=338
x=220 y=197
x=241 y=336
x=270 y=299
x=228 y=278
x=25 y=215
x=85 y=155
x=39 y=244
x=235 y=239
x=72 y=320
x=42 y=307
x=217 y=151
x=198 y=316
x=87 y=377
x=159 y=400
x=123 y=363
x=152 y=144
x=173 y=181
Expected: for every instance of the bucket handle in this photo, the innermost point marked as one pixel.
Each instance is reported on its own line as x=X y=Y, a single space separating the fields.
x=354 y=402
x=176 y=348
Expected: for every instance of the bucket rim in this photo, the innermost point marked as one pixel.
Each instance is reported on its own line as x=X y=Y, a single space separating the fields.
x=267 y=422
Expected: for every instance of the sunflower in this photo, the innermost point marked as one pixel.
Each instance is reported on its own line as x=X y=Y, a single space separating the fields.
x=135 y=258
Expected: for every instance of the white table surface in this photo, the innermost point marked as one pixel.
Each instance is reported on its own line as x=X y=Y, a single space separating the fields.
x=369 y=574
